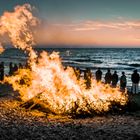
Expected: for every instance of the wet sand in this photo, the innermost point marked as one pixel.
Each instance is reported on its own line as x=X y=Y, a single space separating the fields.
x=18 y=123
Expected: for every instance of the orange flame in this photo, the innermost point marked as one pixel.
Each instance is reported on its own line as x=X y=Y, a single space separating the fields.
x=47 y=78
x=1 y=48
x=18 y=26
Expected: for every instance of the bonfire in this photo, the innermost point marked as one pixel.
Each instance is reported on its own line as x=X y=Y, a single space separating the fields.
x=46 y=82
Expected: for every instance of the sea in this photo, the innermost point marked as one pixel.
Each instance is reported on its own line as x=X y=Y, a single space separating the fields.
x=116 y=59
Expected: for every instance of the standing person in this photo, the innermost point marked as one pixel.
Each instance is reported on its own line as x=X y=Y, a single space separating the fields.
x=135 y=82
x=87 y=77
x=77 y=73
x=108 y=77
x=15 y=68
x=114 y=79
x=20 y=66
x=2 y=71
x=98 y=75
x=123 y=81
x=10 y=68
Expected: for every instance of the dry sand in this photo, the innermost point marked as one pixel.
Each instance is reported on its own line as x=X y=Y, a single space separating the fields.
x=18 y=123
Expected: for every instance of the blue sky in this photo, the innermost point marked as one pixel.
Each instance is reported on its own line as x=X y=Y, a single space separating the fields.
x=56 y=10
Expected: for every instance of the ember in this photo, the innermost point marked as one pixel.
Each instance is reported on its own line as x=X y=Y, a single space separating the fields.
x=47 y=82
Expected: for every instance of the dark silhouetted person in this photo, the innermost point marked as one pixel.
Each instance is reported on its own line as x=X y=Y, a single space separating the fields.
x=2 y=71
x=87 y=77
x=77 y=73
x=123 y=81
x=114 y=79
x=15 y=68
x=20 y=66
x=135 y=82
x=98 y=75
x=27 y=65
x=10 y=68
x=108 y=77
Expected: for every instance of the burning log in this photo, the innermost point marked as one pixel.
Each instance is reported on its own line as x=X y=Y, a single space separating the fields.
x=77 y=112
x=74 y=111
x=36 y=103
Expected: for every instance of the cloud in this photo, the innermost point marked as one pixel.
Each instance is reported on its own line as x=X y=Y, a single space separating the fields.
x=90 y=32
x=99 y=25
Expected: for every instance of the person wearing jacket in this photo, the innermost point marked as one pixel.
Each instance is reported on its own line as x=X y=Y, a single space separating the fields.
x=98 y=75
x=135 y=82
x=114 y=79
x=123 y=81
x=108 y=77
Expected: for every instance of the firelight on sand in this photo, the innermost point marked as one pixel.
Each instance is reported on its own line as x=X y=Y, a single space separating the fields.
x=46 y=79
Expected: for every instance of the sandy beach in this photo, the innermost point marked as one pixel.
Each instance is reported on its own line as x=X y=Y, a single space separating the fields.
x=19 y=123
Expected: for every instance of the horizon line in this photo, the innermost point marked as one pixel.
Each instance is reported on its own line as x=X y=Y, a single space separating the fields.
x=76 y=46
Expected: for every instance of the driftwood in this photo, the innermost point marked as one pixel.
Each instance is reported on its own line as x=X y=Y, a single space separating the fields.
x=36 y=103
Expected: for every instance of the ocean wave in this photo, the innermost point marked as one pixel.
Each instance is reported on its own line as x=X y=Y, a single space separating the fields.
x=83 y=60
x=134 y=65
x=94 y=67
x=13 y=57
x=128 y=64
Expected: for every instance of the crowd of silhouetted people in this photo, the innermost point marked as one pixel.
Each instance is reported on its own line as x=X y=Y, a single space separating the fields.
x=111 y=79
x=13 y=67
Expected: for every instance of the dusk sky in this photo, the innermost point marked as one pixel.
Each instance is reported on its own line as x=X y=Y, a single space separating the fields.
x=85 y=22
